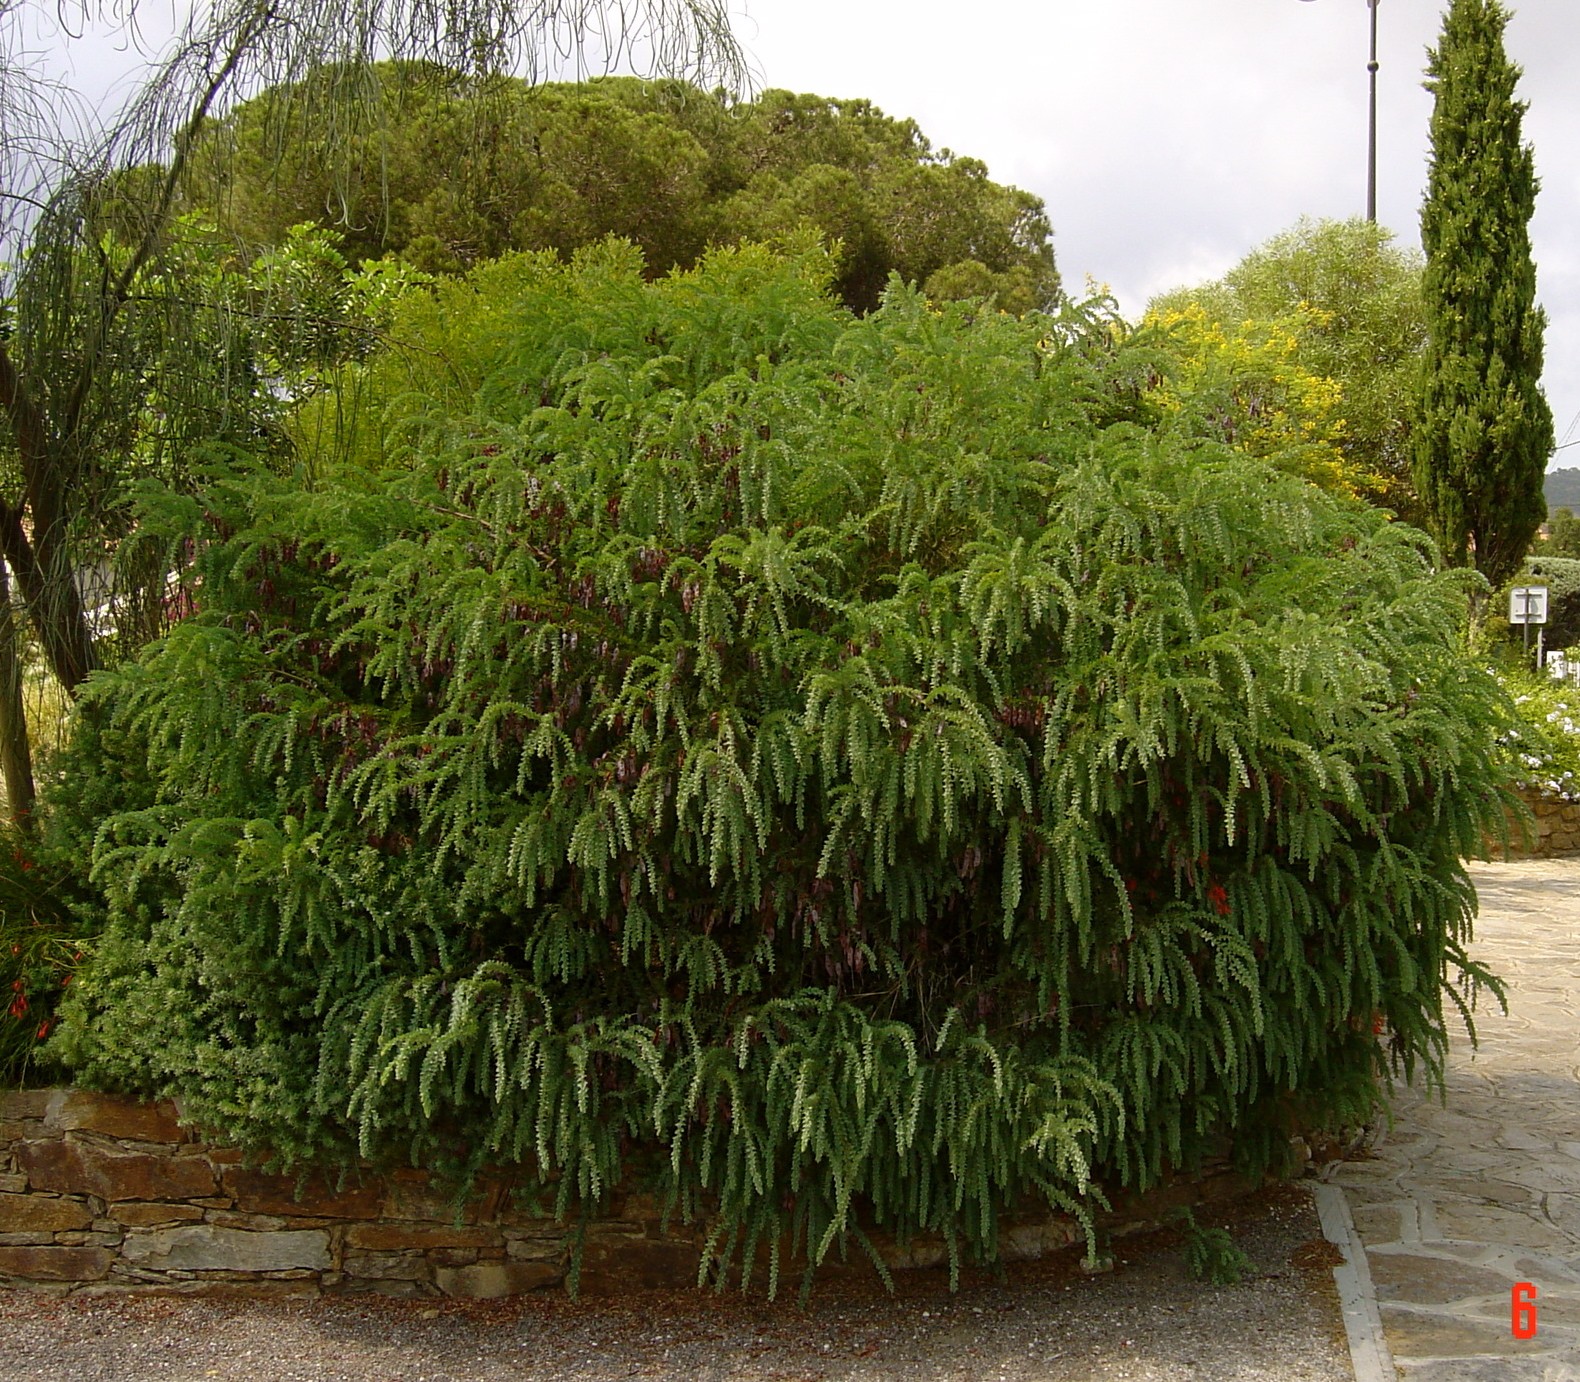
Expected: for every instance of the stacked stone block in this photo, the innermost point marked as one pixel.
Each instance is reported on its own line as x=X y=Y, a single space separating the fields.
x=97 y=1191
x=100 y=1193
x=1551 y=830
x=1556 y=831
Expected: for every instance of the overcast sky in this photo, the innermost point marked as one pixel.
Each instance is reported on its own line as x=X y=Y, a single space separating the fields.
x=1169 y=137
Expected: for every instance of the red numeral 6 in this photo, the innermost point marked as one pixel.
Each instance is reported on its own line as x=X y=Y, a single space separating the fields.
x=1522 y=1308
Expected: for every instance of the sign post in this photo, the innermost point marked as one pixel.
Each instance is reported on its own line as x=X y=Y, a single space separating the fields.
x=1527 y=606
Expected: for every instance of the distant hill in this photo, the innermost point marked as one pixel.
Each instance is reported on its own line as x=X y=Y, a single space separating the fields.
x=1562 y=488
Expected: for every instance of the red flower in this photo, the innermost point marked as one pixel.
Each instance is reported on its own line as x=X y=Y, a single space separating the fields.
x=18 y=1006
x=1219 y=899
x=43 y=1029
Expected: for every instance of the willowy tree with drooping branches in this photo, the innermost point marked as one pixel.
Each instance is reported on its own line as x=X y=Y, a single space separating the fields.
x=1483 y=429
x=111 y=373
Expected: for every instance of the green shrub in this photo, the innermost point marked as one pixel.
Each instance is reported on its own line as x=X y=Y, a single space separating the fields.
x=1563 y=533
x=839 y=772
x=1211 y=1254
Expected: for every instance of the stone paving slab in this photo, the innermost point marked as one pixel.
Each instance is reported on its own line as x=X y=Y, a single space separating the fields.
x=1466 y=1197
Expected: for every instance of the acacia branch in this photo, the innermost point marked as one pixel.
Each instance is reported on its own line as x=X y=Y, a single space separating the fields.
x=183 y=147
x=41 y=567
x=116 y=294
x=20 y=407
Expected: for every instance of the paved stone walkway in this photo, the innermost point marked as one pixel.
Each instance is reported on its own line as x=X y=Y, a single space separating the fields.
x=1464 y=1200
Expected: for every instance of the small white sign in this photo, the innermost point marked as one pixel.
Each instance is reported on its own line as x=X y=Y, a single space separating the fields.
x=1528 y=604
x=1558 y=666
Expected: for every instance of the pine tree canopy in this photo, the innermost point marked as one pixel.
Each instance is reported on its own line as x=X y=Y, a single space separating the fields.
x=1484 y=432
x=840 y=772
x=452 y=170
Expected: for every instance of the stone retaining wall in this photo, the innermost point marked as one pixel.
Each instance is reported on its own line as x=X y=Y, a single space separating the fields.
x=1556 y=830
x=101 y=1193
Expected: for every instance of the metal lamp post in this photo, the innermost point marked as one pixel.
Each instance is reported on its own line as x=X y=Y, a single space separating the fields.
x=1371 y=129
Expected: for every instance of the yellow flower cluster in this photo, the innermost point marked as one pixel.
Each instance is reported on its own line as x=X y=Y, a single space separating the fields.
x=1245 y=383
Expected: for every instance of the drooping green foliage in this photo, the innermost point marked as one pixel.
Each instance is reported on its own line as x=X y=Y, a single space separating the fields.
x=455 y=172
x=1483 y=432
x=105 y=340
x=1211 y=1254
x=843 y=772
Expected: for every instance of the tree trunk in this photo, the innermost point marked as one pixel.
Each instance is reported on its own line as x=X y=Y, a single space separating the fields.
x=16 y=758
x=42 y=563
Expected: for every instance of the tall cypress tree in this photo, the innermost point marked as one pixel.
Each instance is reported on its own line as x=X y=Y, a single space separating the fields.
x=1484 y=431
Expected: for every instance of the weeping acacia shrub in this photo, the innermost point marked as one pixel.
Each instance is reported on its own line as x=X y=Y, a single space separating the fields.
x=841 y=773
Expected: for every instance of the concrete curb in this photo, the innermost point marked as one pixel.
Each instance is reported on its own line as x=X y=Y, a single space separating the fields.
x=1369 y=1355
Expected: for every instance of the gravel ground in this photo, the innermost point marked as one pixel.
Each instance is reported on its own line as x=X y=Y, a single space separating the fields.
x=1044 y=1322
